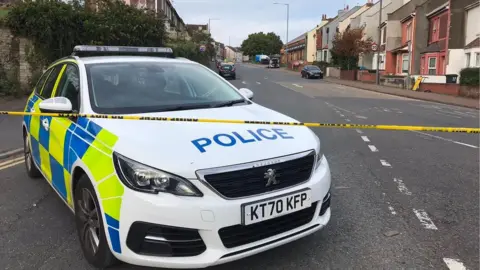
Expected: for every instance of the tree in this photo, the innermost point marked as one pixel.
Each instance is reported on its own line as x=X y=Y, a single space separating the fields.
x=347 y=47
x=261 y=43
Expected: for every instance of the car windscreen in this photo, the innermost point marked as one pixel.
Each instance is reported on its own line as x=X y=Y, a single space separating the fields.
x=313 y=68
x=140 y=87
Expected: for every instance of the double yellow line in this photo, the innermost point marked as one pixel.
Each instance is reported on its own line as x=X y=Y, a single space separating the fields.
x=11 y=162
x=220 y=121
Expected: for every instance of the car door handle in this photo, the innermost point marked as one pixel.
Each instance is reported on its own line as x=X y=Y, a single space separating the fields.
x=45 y=124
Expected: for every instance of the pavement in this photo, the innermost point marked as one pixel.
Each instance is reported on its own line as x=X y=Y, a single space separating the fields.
x=400 y=199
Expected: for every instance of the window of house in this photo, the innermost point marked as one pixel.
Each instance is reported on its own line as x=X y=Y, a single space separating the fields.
x=477 y=59
x=409 y=31
x=325 y=56
x=467 y=59
x=432 y=66
x=405 y=63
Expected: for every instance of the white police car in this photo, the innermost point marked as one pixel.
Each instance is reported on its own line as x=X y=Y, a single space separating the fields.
x=170 y=194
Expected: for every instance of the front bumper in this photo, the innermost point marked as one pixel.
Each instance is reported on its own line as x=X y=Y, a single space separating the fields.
x=208 y=217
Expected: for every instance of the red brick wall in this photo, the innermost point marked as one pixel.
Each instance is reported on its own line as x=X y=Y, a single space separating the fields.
x=452 y=89
x=366 y=76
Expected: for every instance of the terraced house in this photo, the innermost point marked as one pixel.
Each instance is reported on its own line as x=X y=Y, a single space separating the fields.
x=174 y=24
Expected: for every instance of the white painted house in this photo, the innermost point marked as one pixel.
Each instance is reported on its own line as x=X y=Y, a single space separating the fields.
x=469 y=56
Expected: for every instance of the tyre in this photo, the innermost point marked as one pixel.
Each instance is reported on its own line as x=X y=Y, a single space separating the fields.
x=308 y=76
x=234 y=77
x=32 y=169
x=302 y=75
x=90 y=229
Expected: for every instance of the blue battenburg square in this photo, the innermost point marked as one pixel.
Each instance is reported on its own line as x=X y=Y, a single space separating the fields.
x=58 y=178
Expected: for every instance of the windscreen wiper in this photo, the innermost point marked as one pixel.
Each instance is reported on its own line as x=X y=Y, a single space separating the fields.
x=185 y=107
x=228 y=103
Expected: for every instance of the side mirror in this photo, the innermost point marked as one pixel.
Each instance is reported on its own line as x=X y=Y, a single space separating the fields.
x=56 y=105
x=246 y=92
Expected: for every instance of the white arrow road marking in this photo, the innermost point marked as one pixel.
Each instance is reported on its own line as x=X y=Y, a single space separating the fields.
x=294 y=84
x=424 y=219
x=454 y=264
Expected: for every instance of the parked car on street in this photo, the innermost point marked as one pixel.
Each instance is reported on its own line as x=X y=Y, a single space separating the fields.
x=227 y=70
x=311 y=71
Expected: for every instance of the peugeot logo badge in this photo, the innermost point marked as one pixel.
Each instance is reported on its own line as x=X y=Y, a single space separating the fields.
x=271 y=175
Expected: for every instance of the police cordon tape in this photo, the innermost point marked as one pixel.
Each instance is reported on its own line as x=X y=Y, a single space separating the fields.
x=226 y=121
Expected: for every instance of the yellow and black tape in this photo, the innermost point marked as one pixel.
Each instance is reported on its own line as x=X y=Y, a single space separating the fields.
x=226 y=121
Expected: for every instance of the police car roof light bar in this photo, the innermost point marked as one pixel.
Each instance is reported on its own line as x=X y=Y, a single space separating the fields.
x=89 y=50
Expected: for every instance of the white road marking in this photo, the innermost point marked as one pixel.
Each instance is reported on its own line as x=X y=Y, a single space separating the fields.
x=385 y=163
x=342 y=115
x=359 y=131
x=449 y=115
x=401 y=186
x=392 y=210
x=424 y=219
x=244 y=82
x=11 y=152
x=372 y=148
x=364 y=138
x=345 y=110
x=294 y=84
x=361 y=117
x=265 y=78
x=258 y=83
x=348 y=120
x=386 y=110
x=445 y=139
x=454 y=264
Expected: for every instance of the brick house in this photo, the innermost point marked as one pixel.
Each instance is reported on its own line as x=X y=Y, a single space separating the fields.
x=296 y=49
x=403 y=34
x=435 y=14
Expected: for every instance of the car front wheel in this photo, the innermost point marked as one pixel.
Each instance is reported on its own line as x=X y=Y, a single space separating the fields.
x=90 y=229
x=32 y=169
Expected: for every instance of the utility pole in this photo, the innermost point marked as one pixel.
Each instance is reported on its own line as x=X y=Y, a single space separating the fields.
x=288 y=18
x=379 y=43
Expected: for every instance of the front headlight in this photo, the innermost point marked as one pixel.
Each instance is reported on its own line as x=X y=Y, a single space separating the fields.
x=318 y=156
x=143 y=178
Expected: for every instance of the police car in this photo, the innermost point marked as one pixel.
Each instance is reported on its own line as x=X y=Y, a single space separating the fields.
x=170 y=194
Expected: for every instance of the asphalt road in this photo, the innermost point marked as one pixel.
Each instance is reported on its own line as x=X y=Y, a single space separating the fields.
x=401 y=200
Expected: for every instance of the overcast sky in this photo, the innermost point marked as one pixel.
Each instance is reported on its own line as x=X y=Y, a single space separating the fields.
x=238 y=18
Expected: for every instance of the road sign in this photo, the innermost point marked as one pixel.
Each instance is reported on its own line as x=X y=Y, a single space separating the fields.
x=374 y=47
x=202 y=48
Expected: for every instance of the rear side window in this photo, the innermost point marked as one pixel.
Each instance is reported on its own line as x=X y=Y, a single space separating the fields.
x=41 y=81
x=50 y=83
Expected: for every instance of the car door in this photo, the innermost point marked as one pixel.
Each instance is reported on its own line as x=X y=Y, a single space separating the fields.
x=61 y=129
x=38 y=127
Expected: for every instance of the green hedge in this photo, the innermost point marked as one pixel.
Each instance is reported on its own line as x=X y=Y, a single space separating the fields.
x=55 y=27
x=470 y=76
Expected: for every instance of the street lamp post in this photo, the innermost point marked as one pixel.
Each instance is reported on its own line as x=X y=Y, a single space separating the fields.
x=377 y=77
x=209 y=20
x=288 y=18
